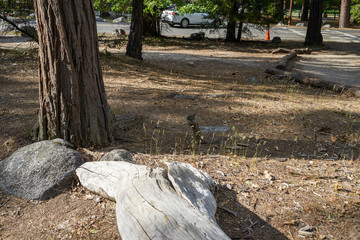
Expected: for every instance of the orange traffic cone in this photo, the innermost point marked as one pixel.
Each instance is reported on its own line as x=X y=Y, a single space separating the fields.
x=268 y=35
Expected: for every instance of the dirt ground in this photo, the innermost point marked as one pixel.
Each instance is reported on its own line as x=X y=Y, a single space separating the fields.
x=284 y=155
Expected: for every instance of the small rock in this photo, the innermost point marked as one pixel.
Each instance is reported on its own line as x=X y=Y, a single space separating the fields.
x=118 y=155
x=300 y=24
x=327 y=26
x=97 y=199
x=191 y=64
x=89 y=197
x=254 y=80
x=269 y=176
x=307 y=231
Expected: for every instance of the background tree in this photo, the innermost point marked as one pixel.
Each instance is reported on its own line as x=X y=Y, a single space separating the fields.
x=279 y=10
x=232 y=21
x=134 y=46
x=344 y=20
x=73 y=104
x=313 y=33
x=305 y=11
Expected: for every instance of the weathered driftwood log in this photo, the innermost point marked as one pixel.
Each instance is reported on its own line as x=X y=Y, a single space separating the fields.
x=354 y=91
x=151 y=204
x=285 y=61
x=297 y=50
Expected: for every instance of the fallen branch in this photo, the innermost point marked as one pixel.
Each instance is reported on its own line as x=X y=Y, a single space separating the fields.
x=195 y=127
x=282 y=65
x=297 y=50
x=34 y=37
x=228 y=210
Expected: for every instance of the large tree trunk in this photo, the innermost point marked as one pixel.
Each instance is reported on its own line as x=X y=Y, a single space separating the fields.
x=344 y=21
x=231 y=26
x=305 y=10
x=73 y=104
x=313 y=34
x=134 y=46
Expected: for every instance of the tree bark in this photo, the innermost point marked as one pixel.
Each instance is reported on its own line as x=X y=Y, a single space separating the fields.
x=134 y=47
x=73 y=103
x=313 y=34
x=305 y=10
x=279 y=10
x=344 y=21
x=231 y=27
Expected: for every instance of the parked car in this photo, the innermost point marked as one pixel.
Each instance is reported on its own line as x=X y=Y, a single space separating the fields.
x=184 y=20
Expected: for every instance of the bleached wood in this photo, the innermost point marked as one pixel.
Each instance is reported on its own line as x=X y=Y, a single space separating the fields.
x=147 y=205
x=194 y=186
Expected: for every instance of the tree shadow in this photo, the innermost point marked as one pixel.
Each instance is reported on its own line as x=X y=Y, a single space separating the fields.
x=239 y=222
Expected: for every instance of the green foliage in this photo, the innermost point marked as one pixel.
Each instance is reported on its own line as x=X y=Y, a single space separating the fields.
x=18 y=7
x=355 y=12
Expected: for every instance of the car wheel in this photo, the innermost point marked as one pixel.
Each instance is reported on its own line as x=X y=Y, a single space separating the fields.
x=184 y=23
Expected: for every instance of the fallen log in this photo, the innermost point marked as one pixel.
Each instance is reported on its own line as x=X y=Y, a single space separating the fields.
x=154 y=204
x=319 y=83
x=297 y=50
x=285 y=61
x=284 y=74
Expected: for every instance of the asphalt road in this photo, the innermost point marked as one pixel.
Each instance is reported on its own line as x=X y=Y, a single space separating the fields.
x=284 y=32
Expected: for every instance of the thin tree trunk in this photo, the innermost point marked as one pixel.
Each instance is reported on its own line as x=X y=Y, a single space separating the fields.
x=231 y=27
x=313 y=34
x=241 y=24
x=305 y=10
x=73 y=104
x=279 y=10
x=134 y=46
x=344 y=21
x=239 y=35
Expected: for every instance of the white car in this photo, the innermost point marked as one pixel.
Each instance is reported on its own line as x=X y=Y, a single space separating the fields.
x=174 y=17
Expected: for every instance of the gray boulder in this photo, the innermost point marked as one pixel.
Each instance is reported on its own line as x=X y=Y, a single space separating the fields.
x=118 y=155
x=40 y=170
